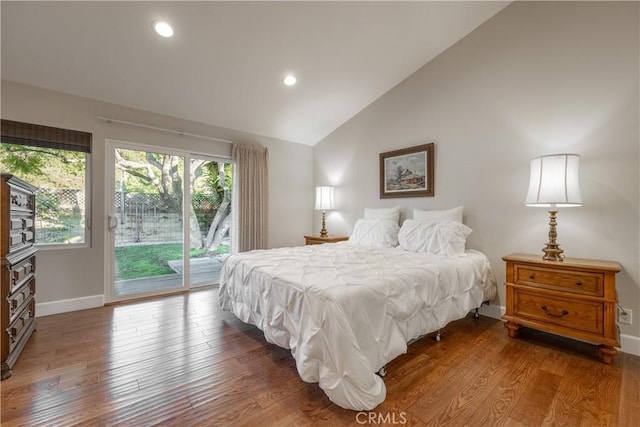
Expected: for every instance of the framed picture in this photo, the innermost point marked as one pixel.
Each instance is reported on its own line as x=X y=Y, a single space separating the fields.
x=407 y=172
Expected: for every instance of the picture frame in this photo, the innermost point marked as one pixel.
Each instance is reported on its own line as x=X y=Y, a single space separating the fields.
x=407 y=172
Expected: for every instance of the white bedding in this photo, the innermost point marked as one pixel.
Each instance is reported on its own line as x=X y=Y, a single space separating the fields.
x=345 y=311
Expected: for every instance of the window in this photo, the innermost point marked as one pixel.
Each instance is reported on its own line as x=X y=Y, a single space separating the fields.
x=57 y=162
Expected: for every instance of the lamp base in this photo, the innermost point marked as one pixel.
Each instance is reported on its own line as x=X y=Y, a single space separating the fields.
x=552 y=251
x=323 y=232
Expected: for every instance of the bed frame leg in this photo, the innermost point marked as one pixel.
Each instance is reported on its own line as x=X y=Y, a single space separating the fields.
x=382 y=372
x=476 y=315
x=438 y=335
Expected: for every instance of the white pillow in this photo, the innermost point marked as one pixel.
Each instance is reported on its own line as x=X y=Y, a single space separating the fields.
x=380 y=233
x=454 y=214
x=445 y=237
x=383 y=213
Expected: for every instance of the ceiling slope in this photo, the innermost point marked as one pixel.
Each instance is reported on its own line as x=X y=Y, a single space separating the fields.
x=225 y=64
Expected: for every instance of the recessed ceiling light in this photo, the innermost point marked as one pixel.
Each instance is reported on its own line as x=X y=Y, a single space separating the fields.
x=163 y=28
x=290 y=80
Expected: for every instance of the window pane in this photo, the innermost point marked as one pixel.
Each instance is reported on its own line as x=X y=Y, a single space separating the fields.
x=148 y=250
x=210 y=221
x=61 y=202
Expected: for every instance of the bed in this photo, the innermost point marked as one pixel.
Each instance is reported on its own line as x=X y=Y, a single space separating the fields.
x=346 y=309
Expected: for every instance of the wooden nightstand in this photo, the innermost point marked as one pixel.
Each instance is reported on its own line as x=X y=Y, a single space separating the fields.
x=317 y=240
x=575 y=298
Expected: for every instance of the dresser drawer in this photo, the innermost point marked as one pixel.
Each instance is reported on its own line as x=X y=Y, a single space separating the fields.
x=21 y=272
x=19 y=223
x=571 y=281
x=20 y=298
x=21 y=200
x=23 y=235
x=574 y=314
x=16 y=240
x=21 y=325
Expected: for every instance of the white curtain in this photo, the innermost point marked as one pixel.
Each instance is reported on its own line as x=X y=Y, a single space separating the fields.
x=251 y=187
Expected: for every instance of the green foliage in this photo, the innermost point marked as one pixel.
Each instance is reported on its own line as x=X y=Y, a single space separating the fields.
x=21 y=164
x=48 y=205
x=149 y=260
x=66 y=228
x=223 y=249
x=212 y=177
x=210 y=190
x=147 y=172
x=51 y=170
x=132 y=183
x=44 y=167
x=205 y=206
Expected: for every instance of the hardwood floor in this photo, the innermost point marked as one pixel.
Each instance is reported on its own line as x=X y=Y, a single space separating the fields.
x=180 y=361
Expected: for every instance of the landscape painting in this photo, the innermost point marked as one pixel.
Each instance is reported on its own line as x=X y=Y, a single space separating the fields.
x=407 y=172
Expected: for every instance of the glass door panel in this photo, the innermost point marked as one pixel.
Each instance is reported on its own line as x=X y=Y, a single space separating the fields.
x=210 y=219
x=147 y=226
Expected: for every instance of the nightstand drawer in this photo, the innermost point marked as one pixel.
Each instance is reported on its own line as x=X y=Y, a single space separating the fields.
x=572 y=281
x=318 y=240
x=310 y=241
x=577 y=315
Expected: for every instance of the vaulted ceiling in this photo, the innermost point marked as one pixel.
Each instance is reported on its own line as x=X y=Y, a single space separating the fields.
x=225 y=63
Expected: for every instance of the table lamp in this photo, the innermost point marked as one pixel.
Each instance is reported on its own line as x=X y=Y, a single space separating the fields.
x=554 y=183
x=324 y=201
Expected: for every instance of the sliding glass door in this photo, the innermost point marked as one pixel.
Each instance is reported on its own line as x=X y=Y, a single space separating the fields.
x=164 y=208
x=210 y=218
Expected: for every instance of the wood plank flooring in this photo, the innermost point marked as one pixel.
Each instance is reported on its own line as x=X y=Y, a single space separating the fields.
x=181 y=361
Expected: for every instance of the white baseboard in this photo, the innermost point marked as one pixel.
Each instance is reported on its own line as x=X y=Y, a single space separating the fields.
x=493 y=311
x=629 y=343
x=66 y=305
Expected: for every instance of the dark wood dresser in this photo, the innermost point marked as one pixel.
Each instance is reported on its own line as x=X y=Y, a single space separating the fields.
x=17 y=250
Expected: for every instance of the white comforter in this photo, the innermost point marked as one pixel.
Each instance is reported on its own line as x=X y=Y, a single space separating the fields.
x=345 y=311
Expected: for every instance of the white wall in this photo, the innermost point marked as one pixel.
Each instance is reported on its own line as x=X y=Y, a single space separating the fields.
x=538 y=78
x=79 y=273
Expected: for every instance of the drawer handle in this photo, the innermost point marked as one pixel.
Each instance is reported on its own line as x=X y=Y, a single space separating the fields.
x=532 y=276
x=545 y=309
x=579 y=283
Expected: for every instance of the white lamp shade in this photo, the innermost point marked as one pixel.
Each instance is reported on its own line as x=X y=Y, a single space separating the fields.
x=324 y=198
x=554 y=181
